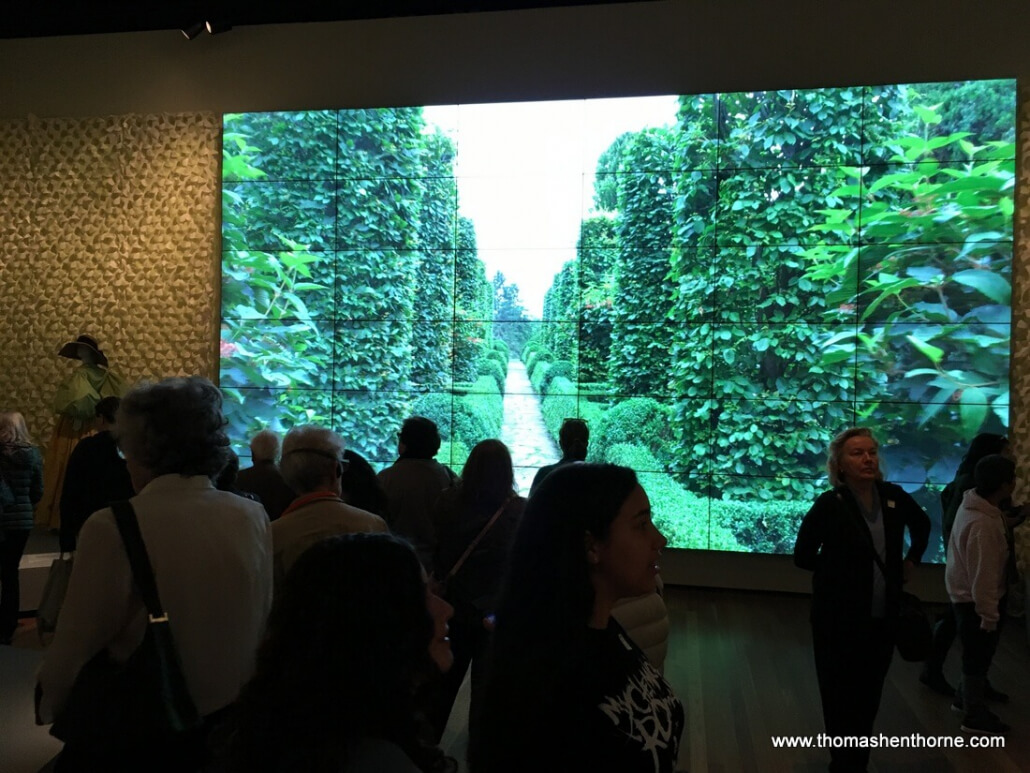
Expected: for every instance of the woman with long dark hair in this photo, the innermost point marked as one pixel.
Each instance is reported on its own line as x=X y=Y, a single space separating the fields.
x=475 y=523
x=567 y=690
x=360 y=486
x=354 y=629
x=21 y=478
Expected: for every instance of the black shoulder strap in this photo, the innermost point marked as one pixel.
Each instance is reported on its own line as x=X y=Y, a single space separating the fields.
x=139 y=561
x=863 y=531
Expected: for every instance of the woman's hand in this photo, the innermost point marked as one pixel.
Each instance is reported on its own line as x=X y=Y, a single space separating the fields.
x=906 y=571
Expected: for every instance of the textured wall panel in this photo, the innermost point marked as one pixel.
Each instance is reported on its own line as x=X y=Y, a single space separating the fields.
x=108 y=226
x=1019 y=430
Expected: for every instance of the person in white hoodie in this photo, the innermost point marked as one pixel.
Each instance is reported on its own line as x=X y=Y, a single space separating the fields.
x=978 y=558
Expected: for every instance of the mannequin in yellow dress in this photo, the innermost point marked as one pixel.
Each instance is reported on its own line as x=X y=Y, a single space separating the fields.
x=74 y=403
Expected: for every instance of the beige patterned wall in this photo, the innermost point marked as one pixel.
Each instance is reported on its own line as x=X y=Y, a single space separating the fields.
x=108 y=226
x=1019 y=430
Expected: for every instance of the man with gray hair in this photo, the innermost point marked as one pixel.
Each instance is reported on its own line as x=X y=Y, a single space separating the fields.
x=263 y=476
x=312 y=465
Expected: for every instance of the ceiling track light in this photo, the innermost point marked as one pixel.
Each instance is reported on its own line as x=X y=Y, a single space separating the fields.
x=193 y=30
x=216 y=27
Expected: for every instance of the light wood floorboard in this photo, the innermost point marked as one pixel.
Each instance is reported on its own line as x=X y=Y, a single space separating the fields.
x=742 y=664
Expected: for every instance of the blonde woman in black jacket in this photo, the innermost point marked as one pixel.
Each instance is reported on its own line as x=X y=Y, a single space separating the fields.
x=21 y=468
x=854 y=601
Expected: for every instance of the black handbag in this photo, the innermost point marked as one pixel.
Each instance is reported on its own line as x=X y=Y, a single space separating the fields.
x=912 y=636
x=912 y=633
x=120 y=707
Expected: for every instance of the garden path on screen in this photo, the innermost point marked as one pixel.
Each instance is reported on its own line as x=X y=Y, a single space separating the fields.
x=523 y=430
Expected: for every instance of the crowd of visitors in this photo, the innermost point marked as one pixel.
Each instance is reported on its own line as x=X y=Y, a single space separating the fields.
x=324 y=617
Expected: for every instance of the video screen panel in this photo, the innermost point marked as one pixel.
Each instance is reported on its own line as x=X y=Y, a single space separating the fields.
x=716 y=283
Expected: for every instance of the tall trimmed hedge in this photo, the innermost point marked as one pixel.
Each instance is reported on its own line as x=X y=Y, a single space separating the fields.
x=473 y=304
x=641 y=337
x=749 y=361
x=433 y=334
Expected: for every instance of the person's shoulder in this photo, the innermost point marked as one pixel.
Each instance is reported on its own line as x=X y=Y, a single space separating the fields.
x=375 y=522
x=894 y=495
x=89 y=444
x=515 y=506
x=833 y=497
x=231 y=501
x=22 y=456
x=99 y=525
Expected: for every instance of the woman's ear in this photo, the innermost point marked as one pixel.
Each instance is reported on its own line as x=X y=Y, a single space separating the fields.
x=590 y=546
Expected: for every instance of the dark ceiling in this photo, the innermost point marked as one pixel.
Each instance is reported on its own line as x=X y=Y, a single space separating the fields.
x=86 y=17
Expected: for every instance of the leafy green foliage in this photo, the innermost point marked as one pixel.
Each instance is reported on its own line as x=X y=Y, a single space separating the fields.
x=984 y=110
x=930 y=288
x=331 y=223
x=535 y=356
x=473 y=304
x=682 y=516
x=758 y=320
x=640 y=337
x=562 y=369
x=559 y=333
x=433 y=333
x=559 y=404
x=538 y=374
x=491 y=368
x=597 y=253
x=641 y=421
x=765 y=527
x=510 y=319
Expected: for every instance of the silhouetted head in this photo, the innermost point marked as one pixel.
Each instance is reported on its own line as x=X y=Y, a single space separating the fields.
x=419 y=438
x=573 y=438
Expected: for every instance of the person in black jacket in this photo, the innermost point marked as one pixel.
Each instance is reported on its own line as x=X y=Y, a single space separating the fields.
x=852 y=539
x=21 y=470
x=96 y=476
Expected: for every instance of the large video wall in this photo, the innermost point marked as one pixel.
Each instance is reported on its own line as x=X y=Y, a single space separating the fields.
x=717 y=283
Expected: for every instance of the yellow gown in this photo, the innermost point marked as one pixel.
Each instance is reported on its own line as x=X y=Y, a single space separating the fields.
x=74 y=404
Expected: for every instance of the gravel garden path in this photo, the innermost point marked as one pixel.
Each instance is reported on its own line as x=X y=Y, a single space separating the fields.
x=524 y=431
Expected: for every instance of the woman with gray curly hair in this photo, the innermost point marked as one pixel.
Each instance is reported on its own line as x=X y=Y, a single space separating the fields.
x=212 y=561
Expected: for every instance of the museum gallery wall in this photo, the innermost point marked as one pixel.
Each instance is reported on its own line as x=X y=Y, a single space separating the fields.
x=111 y=225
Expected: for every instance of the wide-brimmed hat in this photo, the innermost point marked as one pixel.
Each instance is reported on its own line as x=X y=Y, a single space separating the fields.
x=71 y=349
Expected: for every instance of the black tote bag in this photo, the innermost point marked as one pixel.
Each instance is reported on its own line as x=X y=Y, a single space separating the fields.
x=144 y=702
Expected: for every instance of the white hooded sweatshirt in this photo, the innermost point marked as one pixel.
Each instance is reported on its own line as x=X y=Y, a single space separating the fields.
x=977 y=556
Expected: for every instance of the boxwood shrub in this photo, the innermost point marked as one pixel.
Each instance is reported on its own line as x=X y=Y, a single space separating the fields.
x=497 y=356
x=490 y=367
x=642 y=421
x=437 y=407
x=562 y=368
x=538 y=374
x=769 y=526
x=559 y=405
x=499 y=346
x=479 y=412
x=683 y=517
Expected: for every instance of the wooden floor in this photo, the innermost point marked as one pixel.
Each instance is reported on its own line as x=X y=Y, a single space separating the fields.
x=742 y=664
